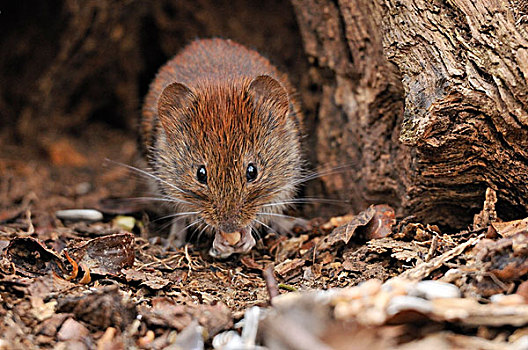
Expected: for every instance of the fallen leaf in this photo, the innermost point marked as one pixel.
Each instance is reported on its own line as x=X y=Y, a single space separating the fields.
x=101 y=308
x=107 y=254
x=381 y=223
x=150 y=280
x=511 y=228
x=32 y=258
x=345 y=232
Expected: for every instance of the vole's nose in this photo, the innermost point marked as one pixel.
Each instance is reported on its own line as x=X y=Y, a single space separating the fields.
x=229 y=225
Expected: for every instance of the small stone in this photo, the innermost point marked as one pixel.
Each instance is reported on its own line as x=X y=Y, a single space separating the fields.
x=72 y=330
x=83 y=188
x=79 y=215
x=370 y=287
x=126 y=223
x=228 y=340
x=404 y=302
x=452 y=275
x=511 y=299
x=396 y=286
x=434 y=290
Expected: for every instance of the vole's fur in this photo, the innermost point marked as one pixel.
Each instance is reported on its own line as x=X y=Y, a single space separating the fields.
x=220 y=105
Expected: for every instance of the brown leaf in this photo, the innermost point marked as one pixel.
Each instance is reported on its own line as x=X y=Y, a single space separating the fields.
x=101 y=308
x=32 y=258
x=511 y=228
x=107 y=254
x=250 y=263
x=381 y=224
x=506 y=257
x=373 y=223
x=344 y=232
x=290 y=247
x=150 y=280
x=164 y=312
x=417 y=232
x=355 y=266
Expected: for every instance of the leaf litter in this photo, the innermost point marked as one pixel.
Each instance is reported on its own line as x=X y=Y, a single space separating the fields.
x=368 y=279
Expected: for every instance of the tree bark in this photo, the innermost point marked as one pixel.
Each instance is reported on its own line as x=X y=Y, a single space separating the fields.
x=429 y=100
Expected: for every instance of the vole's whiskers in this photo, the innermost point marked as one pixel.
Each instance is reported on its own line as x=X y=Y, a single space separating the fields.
x=199 y=234
x=159 y=199
x=263 y=224
x=304 y=200
x=195 y=222
x=277 y=215
x=146 y=174
x=311 y=175
x=181 y=215
x=255 y=232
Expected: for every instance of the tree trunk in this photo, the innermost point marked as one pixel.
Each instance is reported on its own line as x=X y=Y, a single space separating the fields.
x=429 y=100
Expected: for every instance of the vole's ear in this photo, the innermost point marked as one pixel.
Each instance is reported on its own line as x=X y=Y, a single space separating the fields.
x=268 y=92
x=174 y=102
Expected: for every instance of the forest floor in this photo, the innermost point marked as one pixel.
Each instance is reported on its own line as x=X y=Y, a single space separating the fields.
x=110 y=283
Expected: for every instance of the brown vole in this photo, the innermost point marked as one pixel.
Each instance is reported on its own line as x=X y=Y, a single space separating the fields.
x=220 y=130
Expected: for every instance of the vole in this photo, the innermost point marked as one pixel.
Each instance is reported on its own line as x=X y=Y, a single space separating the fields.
x=221 y=131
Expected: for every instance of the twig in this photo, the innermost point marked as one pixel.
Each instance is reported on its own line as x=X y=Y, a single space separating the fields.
x=271 y=282
x=423 y=270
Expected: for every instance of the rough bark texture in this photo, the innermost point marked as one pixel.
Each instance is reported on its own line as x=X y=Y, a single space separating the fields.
x=429 y=98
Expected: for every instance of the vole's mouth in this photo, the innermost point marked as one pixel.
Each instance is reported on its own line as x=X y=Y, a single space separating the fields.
x=227 y=243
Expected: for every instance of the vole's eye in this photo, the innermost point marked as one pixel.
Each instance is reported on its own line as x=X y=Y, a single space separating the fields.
x=251 y=172
x=201 y=174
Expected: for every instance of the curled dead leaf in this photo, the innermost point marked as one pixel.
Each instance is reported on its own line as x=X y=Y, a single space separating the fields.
x=75 y=267
x=374 y=222
x=31 y=258
x=86 y=277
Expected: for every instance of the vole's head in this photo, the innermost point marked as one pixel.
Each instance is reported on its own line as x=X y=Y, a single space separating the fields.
x=231 y=152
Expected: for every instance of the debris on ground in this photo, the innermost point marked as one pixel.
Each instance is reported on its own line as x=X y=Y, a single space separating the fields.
x=84 y=265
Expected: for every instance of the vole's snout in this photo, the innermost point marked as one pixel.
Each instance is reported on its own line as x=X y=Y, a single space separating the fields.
x=227 y=243
x=227 y=216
